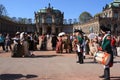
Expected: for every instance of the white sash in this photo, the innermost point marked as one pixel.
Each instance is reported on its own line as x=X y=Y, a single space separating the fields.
x=78 y=48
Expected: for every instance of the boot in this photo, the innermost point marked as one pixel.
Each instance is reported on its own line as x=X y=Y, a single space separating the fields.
x=107 y=74
x=102 y=76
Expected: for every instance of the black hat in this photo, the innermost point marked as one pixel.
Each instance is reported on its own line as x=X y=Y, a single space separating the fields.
x=80 y=31
x=104 y=28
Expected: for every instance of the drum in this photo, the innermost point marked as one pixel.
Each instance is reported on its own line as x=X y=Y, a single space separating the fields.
x=102 y=57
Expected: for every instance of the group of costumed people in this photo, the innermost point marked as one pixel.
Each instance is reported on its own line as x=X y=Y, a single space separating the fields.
x=63 y=42
x=23 y=43
x=105 y=48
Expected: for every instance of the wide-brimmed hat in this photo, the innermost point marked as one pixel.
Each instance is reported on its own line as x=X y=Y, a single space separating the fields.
x=80 y=31
x=17 y=33
x=104 y=28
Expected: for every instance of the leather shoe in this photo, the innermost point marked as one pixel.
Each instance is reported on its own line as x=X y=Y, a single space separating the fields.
x=77 y=61
x=101 y=76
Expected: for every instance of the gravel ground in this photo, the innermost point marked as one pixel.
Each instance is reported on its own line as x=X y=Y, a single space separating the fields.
x=47 y=65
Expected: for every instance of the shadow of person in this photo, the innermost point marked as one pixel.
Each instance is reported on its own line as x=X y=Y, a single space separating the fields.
x=115 y=78
x=16 y=76
x=116 y=61
x=42 y=56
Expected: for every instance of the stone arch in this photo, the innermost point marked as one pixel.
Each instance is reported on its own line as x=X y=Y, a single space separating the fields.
x=49 y=30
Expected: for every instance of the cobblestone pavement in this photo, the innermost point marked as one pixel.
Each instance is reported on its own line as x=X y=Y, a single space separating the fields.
x=47 y=65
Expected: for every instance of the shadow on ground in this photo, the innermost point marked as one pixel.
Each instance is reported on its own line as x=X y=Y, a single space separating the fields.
x=115 y=78
x=16 y=76
x=91 y=62
x=45 y=56
x=116 y=61
x=39 y=56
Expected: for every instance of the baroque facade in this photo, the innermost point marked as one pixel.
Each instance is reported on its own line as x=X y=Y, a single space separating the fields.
x=7 y=26
x=110 y=17
x=49 y=20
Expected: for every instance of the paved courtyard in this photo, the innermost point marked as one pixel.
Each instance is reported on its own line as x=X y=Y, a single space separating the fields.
x=47 y=65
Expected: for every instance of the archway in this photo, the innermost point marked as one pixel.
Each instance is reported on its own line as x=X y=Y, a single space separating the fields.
x=49 y=30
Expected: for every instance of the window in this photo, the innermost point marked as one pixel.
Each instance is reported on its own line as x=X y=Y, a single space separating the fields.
x=116 y=15
x=40 y=20
x=57 y=20
x=49 y=19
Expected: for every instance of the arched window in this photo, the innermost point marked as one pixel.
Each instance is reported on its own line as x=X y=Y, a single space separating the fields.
x=91 y=29
x=40 y=19
x=116 y=15
x=57 y=20
x=48 y=19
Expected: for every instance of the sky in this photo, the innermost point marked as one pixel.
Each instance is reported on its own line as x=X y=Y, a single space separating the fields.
x=71 y=8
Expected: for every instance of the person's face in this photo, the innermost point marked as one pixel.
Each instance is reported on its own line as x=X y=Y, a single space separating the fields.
x=102 y=32
x=77 y=33
x=18 y=36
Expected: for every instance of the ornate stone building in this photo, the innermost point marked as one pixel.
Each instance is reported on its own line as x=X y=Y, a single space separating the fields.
x=110 y=17
x=8 y=26
x=49 y=20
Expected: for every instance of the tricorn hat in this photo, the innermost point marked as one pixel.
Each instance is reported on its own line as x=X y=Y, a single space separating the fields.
x=80 y=31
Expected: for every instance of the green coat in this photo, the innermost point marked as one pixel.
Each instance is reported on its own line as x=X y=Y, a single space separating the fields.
x=106 y=46
x=80 y=40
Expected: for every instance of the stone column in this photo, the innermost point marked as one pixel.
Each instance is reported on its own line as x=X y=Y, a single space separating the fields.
x=43 y=19
x=37 y=27
x=53 y=29
x=44 y=30
x=53 y=19
x=37 y=23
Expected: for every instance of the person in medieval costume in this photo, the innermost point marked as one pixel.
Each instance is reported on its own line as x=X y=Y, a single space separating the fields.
x=17 y=47
x=79 y=37
x=59 y=45
x=106 y=47
x=43 y=43
x=54 y=41
x=25 y=45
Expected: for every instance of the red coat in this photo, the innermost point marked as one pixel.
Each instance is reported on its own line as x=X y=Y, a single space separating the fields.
x=113 y=42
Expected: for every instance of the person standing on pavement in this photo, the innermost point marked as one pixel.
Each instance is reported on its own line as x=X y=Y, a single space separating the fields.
x=106 y=46
x=8 y=43
x=54 y=41
x=2 y=41
x=113 y=44
x=18 y=50
x=79 y=36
